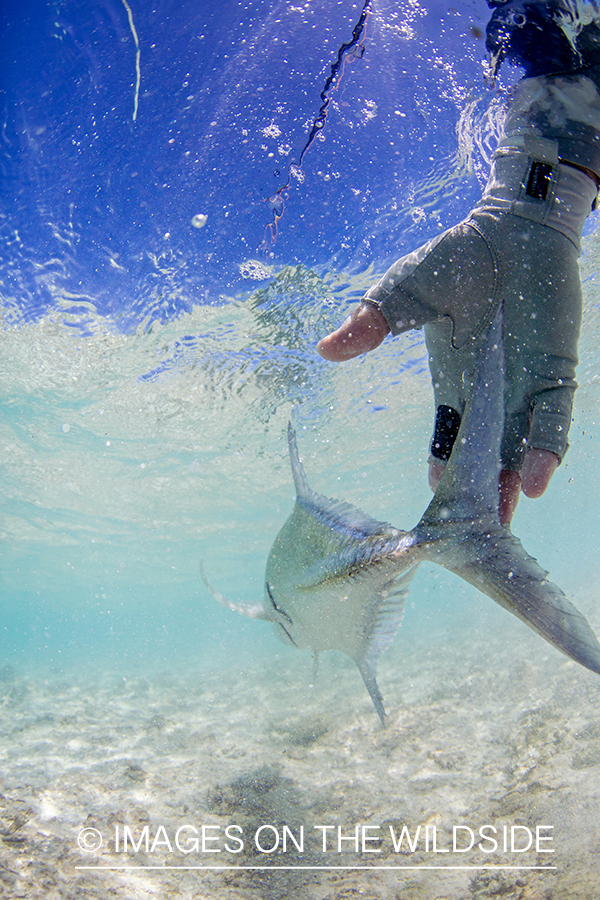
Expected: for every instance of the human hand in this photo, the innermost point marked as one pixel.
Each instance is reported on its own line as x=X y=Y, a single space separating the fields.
x=364 y=330
x=537 y=279
x=452 y=286
x=541 y=329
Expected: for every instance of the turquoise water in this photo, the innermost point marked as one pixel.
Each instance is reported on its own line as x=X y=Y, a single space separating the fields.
x=120 y=484
x=117 y=484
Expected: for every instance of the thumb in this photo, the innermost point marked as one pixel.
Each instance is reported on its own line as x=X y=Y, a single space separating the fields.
x=363 y=330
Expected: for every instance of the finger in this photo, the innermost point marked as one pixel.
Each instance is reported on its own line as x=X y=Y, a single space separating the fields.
x=436 y=471
x=540 y=422
x=538 y=469
x=535 y=437
x=509 y=487
x=362 y=331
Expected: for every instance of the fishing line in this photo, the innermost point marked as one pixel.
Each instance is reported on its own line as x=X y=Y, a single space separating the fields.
x=277 y=200
x=138 y=74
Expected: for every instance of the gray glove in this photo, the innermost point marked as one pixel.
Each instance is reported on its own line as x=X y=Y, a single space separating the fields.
x=538 y=281
x=454 y=284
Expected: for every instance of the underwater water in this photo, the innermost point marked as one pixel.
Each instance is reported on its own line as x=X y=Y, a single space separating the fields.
x=157 y=336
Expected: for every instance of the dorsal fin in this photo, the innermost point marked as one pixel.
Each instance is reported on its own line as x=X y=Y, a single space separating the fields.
x=303 y=489
x=469 y=487
x=332 y=512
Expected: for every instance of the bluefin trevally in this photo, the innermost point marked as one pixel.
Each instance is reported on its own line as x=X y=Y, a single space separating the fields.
x=338 y=580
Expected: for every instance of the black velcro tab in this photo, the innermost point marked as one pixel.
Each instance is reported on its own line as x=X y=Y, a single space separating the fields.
x=538 y=182
x=447 y=423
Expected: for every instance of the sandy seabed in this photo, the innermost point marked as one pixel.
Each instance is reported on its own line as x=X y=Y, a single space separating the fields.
x=496 y=733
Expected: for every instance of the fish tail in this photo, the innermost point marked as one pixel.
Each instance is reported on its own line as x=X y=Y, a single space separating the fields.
x=506 y=573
